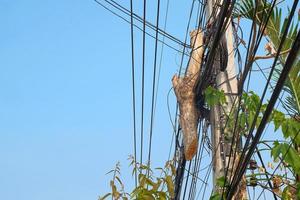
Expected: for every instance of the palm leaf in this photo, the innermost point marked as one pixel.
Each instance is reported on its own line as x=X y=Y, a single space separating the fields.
x=274 y=30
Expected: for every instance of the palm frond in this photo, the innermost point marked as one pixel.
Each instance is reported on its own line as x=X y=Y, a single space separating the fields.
x=274 y=31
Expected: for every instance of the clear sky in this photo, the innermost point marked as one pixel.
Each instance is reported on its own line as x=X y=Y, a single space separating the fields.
x=65 y=100
x=65 y=96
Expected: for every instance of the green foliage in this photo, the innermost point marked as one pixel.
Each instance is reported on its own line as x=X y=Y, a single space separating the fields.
x=274 y=31
x=114 y=184
x=275 y=26
x=214 y=96
x=291 y=193
x=221 y=181
x=249 y=106
x=298 y=191
x=288 y=125
x=289 y=154
x=292 y=88
x=215 y=196
x=286 y=194
x=149 y=187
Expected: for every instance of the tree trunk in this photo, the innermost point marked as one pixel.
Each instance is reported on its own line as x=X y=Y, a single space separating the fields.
x=184 y=91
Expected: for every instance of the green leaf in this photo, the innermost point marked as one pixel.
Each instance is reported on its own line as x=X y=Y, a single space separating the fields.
x=157 y=184
x=286 y=195
x=170 y=185
x=278 y=119
x=110 y=171
x=220 y=181
x=215 y=196
x=141 y=178
x=144 y=167
x=149 y=182
x=136 y=191
x=214 y=96
x=298 y=191
x=119 y=180
x=288 y=154
x=147 y=195
x=162 y=195
x=115 y=192
x=105 y=196
x=291 y=129
x=275 y=152
x=274 y=30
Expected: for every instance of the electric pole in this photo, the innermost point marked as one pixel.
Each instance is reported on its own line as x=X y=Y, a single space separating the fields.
x=226 y=80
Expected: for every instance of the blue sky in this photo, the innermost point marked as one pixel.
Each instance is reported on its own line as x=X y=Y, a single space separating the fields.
x=65 y=100
x=65 y=96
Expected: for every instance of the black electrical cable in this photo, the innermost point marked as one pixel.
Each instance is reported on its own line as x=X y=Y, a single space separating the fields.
x=256 y=147
x=258 y=152
x=187 y=179
x=186 y=36
x=248 y=66
x=140 y=19
x=201 y=150
x=237 y=119
x=143 y=81
x=154 y=81
x=264 y=92
x=128 y=21
x=288 y=65
x=178 y=184
x=261 y=70
x=179 y=176
x=237 y=113
x=158 y=78
x=176 y=114
x=225 y=10
x=161 y=58
x=198 y=160
x=281 y=160
x=133 y=87
x=194 y=179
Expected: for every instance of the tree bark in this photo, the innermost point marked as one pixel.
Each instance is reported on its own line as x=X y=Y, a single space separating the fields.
x=184 y=91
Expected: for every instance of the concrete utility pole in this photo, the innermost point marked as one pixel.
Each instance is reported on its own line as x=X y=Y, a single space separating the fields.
x=227 y=81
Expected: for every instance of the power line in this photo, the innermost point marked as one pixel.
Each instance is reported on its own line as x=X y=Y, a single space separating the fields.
x=225 y=10
x=161 y=56
x=141 y=20
x=182 y=161
x=154 y=79
x=128 y=21
x=133 y=87
x=282 y=159
x=265 y=90
x=237 y=116
x=251 y=51
x=288 y=65
x=143 y=82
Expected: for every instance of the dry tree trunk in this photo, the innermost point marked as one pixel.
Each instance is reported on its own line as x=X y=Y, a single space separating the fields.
x=184 y=91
